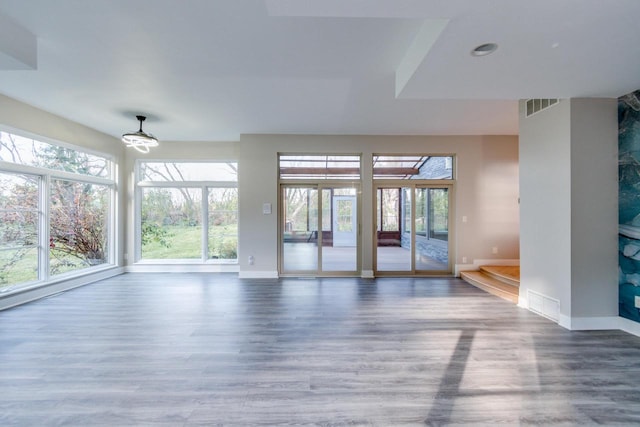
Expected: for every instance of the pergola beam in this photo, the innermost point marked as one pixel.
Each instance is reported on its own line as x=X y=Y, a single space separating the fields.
x=347 y=171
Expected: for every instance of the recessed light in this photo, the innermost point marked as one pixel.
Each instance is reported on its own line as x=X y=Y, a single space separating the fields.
x=484 y=49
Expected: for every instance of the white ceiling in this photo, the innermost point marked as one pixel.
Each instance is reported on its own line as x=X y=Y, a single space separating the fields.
x=214 y=69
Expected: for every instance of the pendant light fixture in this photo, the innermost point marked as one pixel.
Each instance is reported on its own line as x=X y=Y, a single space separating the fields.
x=140 y=140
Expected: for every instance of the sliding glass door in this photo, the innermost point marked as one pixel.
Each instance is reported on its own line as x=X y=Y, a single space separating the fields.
x=319 y=230
x=299 y=238
x=412 y=229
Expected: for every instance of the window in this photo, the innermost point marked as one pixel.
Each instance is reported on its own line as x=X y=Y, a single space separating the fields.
x=412 y=167
x=321 y=166
x=188 y=211
x=56 y=210
x=388 y=202
x=31 y=152
x=19 y=224
x=78 y=225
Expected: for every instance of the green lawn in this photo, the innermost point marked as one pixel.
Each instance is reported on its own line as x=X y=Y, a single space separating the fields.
x=186 y=243
x=22 y=266
x=24 y=269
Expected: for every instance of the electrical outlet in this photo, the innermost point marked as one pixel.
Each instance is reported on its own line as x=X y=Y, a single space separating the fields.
x=494 y=250
x=464 y=259
x=251 y=260
x=637 y=301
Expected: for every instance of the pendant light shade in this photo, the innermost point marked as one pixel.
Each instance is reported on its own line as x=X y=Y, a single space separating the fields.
x=140 y=140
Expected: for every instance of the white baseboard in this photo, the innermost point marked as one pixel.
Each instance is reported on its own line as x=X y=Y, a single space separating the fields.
x=367 y=274
x=477 y=263
x=510 y=262
x=589 y=323
x=523 y=302
x=26 y=295
x=183 y=268
x=629 y=326
x=267 y=274
x=463 y=267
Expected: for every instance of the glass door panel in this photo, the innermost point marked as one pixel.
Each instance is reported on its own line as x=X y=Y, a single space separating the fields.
x=393 y=249
x=432 y=229
x=412 y=229
x=300 y=232
x=340 y=238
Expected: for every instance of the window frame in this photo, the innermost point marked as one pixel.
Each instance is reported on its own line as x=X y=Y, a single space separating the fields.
x=45 y=177
x=204 y=187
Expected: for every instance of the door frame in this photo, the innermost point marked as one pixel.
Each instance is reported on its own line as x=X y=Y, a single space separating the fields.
x=413 y=185
x=319 y=186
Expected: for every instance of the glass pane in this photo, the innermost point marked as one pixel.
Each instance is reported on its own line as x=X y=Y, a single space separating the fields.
x=171 y=223
x=439 y=214
x=412 y=167
x=405 y=202
x=432 y=248
x=340 y=241
x=420 y=225
x=18 y=229
x=223 y=223
x=394 y=243
x=389 y=207
x=18 y=266
x=345 y=214
x=300 y=231
x=78 y=225
x=188 y=171
x=319 y=166
x=27 y=151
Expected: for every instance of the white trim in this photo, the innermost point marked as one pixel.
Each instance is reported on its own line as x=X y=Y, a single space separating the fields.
x=188 y=184
x=589 y=323
x=629 y=326
x=477 y=263
x=367 y=274
x=183 y=268
x=510 y=262
x=457 y=268
x=543 y=305
x=522 y=301
x=27 y=295
x=266 y=274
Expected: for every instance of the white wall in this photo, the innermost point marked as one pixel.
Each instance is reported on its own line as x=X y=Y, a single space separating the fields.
x=568 y=221
x=486 y=191
x=545 y=203
x=594 y=208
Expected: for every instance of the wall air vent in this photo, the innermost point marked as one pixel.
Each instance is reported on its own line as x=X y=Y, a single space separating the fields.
x=537 y=105
x=543 y=305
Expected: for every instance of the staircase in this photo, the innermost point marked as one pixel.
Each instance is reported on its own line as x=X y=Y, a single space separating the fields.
x=501 y=281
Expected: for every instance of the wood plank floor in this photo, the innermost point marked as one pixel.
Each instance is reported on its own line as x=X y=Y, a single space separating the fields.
x=215 y=350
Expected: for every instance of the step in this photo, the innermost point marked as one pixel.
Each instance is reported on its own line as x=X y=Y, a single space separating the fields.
x=509 y=274
x=491 y=285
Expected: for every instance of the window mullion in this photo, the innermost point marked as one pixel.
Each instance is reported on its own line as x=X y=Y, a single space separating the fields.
x=205 y=223
x=44 y=221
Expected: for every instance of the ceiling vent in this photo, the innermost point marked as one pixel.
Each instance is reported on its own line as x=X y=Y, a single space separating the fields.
x=537 y=105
